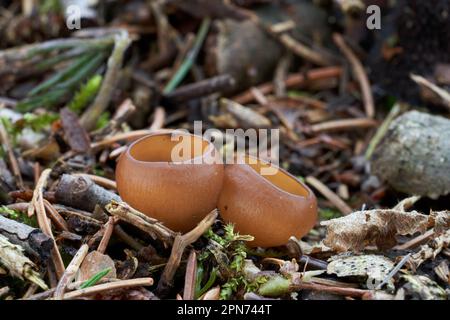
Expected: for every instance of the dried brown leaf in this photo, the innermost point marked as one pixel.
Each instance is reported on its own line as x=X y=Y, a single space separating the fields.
x=441 y=221
x=373 y=227
x=93 y=264
x=430 y=250
x=74 y=133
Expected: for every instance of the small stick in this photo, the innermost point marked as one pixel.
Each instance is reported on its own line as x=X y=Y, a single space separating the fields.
x=38 y=189
x=304 y=51
x=351 y=292
x=344 y=124
x=70 y=286
x=359 y=73
x=152 y=226
x=330 y=195
x=108 y=286
x=415 y=241
x=395 y=111
x=59 y=221
x=443 y=94
x=293 y=80
x=101 y=181
x=129 y=136
x=179 y=245
x=280 y=75
x=90 y=116
x=117 y=152
x=12 y=158
x=109 y=227
x=190 y=278
x=71 y=271
x=202 y=88
x=38 y=204
x=158 y=119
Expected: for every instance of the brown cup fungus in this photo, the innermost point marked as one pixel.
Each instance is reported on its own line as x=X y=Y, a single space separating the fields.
x=175 y=178
x=266 y=202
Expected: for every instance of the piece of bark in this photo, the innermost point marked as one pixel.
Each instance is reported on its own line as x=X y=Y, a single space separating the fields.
x=82 y=193
x=32 y=240
x=414 y=155
x=244 y=51
x=74 y=133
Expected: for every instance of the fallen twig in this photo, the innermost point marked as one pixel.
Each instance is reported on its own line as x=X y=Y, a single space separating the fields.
x=101 y=288
x=291 y=81
x=90 y=116
x=179 y=245
x=201 y=88
x=152 y=226
x=82 y=193
x=330 y=195
x=39 y=207
x=359 y=73
x=345 y=124
x=350 y=292
x=190 y=278
x=71 y=271
x=108 y=229
x=101 y=181
x=395 y=111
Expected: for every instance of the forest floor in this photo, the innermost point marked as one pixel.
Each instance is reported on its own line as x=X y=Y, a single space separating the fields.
x=360 y=100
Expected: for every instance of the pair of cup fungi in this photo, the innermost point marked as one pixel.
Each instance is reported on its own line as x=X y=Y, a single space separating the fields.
x=271 y=208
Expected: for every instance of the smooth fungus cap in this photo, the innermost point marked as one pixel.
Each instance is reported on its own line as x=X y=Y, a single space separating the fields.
x=177 y=192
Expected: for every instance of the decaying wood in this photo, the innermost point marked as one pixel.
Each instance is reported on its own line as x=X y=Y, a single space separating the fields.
x=32 y=240
x=82 y=193
x=13 y=259
x=179 y=245
x=414 y=155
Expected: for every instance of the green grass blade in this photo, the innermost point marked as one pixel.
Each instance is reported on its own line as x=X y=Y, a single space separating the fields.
x=95 y=278
x=76 y=65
